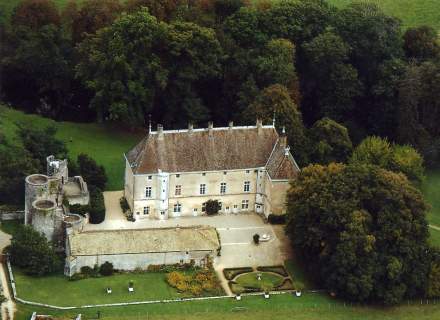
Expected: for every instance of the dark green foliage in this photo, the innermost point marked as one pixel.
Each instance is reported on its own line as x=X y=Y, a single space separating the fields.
x=330 y=142
x=31 y=252
x=276 y=269
x=79 y=209
x=433 y=290
x=91 y=172
x=106 y=269
x=35 y=13
x=212 y=207
x=41 y=144
x=394 y=157
x=362 y=229
x=96 y=207
x=421 y=43
x=124 y=204
x=231 y=273
x=276 y=219
x=256 y=238
x=15 y=164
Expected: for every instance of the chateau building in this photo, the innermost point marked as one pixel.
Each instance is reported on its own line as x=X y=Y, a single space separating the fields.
x=173 y=173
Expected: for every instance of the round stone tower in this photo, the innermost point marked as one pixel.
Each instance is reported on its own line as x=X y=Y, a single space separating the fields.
x=47 y=218
x=36 y=187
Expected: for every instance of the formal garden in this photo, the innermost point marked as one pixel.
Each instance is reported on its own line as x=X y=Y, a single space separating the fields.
x=93 y=286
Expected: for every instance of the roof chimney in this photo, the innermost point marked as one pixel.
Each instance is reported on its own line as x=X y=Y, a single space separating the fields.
x=210 y=127
x=231 y=124
x=160 y=131
x=286 y=151
x=283 y=138
x=259 y=126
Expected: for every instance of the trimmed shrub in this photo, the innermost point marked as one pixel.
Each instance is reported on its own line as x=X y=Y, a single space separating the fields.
x=96 y=206
x=86 y=270
x=275 y=269
x=106 y=269
x=276 y=219
x=231 y=273
x=212 y=207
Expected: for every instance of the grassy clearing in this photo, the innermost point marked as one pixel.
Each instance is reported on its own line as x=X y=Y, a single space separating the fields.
x=413 y=13
x=268 y=280
x=282 y=307
x=147 y=286
x=431 y=190
x=104 y=143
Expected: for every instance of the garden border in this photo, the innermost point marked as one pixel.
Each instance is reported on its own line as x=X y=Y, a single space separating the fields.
x=14 y=292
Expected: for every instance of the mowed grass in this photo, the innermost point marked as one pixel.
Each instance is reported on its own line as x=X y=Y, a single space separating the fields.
x=431 y=191
x=280 y=307
x=147 y=286
x=268 y=280
x=412 y=13
x=105 y=144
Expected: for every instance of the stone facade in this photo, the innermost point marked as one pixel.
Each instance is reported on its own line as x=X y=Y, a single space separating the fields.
x=44 y=196
x=260 y=185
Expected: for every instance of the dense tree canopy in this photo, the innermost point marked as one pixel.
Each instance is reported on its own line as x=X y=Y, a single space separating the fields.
x=330 y=142
x=362 y=230
x=394 y=157
x=32 y=252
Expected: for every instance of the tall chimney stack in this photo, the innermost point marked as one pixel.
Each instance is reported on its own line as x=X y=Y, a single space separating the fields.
x=283 y=138
x=259 y=126
x=160 y=131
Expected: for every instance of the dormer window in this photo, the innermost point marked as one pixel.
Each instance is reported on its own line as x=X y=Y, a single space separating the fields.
x=177 y=175
x=204 y=174
x=150 y=177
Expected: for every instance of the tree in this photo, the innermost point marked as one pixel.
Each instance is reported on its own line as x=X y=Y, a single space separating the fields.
x=331 y=82
x=162 y=10
x=330 y=142
x=212 y=207
x=41 y=143
x=225 y=8
x=421 y=43
x=39 y=70
x=92 y=173
x=275 y=100
x=31 y=252
x=15 y=164
x=361 y=230
x=34 y=14
x=94 y=15
x=398 y=158
x=433 y=290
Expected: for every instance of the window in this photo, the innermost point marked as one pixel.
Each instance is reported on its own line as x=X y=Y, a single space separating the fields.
x=150 y=177
x=235 y=206
x=248 y=171
x=225 y=173
x=178 y=190
x=247 y=186
x=223 y=187
x=220 y=205
x=203 y=174
x=148 y=192
x=203 y=206
x=203 y=188
x=245 y=204
x=146 y=210
x=177 y=208
x=177 y=175
x=162 y=213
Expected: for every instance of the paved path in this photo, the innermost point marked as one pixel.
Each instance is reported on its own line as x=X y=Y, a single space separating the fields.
x=434 y=227
x=8 y=307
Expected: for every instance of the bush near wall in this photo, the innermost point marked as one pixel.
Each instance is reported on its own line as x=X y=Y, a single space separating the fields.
x=203 y=282
x=276 y=219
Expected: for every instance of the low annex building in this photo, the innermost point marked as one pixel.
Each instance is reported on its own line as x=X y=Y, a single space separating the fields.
x=173 y=173
x=128 y=249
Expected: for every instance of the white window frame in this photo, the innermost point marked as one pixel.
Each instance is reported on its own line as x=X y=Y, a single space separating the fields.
x=178 y=190
x=202 y=188
x=222 y=187
x=245 y=205
x=148 y=192
x=177 y=208
x=247 y=186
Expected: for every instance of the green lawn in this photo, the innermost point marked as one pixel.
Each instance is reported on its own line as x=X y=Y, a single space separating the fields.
x=105 y=144
x=412 y=12
x=267 y=280
x=282 y=307
x=147 y=286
